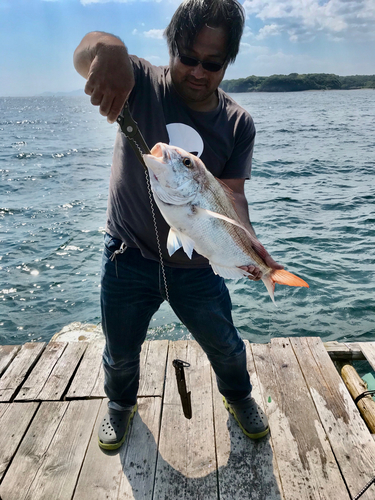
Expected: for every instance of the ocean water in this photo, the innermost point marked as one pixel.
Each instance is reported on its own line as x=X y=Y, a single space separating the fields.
x=311 y=199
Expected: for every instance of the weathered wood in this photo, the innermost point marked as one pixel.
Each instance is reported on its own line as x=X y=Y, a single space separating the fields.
x=57 y=475
x=30 y=455
x=153 y=363
x=237 y=454
x=19 y=369
x=357 y=386
x=88 y=372
x=35 y=382
x=306 y=463
x=368 y=349
x=128 y=473
x=348 y=435
x=13 y=424
x=62 y=372
x=152 y=371
x=344 y=351
x=7 y=353
x=186 y=467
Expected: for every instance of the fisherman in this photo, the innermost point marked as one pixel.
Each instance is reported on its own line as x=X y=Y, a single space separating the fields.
x=182 y=105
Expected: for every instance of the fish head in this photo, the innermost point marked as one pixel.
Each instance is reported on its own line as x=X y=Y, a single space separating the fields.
x=175 y=174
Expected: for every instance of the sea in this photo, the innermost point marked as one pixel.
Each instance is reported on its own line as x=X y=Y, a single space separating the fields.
x=311 y=200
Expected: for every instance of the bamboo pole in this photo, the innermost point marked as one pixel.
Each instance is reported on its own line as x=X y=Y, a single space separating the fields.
x=357 y=386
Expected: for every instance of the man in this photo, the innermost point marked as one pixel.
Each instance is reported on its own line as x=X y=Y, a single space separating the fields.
x=181 y=105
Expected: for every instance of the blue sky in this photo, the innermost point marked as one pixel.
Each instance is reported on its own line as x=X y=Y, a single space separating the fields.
x=38 y=38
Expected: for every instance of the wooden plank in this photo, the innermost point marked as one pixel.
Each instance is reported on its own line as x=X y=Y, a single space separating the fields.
x=19 y=369
x=141 y=454
x=153 y=363
x=30 y=455
x=58 y=474
x=98 y=389
x=348 y=435
x=7 y=354
x=35 y=382
x=344 y=351
x=88 y=372
x=127 y=473
x=63 y=371
x=186 y=467
x=237 y=454
x=307 y=466
x=3 y=408
x=13 y=424
x=368 y=349
x=152 y=370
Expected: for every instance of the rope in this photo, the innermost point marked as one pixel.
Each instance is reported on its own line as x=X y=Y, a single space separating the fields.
x=366 y=393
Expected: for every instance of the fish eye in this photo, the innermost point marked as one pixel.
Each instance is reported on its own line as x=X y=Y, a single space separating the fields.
x=187 y=162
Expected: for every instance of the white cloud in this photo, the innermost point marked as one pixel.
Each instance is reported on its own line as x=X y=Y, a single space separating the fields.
x=254 y=50
x=247 y=32
x=268 y=30
x=303 y=19
x=154 y=34
x=87 y=2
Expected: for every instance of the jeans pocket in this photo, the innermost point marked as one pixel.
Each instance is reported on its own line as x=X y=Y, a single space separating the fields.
x=112 y=244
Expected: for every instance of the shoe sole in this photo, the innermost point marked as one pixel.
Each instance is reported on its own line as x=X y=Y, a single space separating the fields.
x=258 y=435
x=114 y=446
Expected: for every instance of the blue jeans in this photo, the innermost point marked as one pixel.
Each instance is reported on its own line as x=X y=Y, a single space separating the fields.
x=132 y=290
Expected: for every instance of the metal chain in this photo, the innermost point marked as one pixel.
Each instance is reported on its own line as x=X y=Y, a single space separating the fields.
x=155 y=226
x=364 y=489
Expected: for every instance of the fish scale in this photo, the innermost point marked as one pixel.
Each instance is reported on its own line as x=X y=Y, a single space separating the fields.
x=202 y=216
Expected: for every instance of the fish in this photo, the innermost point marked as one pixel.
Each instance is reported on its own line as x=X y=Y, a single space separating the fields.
x=200 y=211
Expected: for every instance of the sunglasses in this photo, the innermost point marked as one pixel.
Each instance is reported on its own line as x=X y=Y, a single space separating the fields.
x=192 y=61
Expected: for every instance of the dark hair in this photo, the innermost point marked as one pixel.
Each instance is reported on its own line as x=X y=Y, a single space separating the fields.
x=192 y=15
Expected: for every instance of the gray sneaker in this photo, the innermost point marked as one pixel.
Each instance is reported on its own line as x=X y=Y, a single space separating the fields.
x=114 y=428
x=251 y=419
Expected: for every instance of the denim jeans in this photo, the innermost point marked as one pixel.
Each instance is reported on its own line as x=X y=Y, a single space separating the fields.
x=132 y=290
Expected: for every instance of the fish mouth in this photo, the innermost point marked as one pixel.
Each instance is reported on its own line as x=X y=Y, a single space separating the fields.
x=156 y=160
x=160 y=151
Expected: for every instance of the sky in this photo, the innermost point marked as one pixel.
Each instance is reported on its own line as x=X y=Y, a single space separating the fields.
x=38 y=38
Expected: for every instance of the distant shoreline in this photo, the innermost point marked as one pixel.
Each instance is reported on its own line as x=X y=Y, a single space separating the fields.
x=295 y=82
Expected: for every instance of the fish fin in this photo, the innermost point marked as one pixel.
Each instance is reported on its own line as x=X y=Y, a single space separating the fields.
x=229 y=272
x=173 y=241
x=210 y=213
x=176 y=240
x=187 y=244
x=284 y=277
x=255 y=243
x=270 y=285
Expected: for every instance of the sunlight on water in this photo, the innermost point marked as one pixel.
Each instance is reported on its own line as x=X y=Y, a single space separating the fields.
x=311 y=197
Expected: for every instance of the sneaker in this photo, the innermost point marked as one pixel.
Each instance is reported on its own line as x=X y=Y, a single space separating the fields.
x=251 y=419
x=114 y=428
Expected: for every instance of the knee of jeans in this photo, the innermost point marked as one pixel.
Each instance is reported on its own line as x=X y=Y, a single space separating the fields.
x=227 y=349
x=120 y=361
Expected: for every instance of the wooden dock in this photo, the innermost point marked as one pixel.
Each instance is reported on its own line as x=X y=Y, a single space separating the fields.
x=52 y=401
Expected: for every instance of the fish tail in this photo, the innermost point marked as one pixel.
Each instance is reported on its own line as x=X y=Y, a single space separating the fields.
x=281 y=277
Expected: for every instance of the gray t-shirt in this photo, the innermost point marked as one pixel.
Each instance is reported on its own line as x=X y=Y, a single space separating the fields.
x=222 y=138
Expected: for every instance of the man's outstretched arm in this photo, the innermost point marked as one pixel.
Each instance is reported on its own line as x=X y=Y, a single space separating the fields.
x=103 y=60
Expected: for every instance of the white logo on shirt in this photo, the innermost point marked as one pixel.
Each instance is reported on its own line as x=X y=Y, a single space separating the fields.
x=185 y=137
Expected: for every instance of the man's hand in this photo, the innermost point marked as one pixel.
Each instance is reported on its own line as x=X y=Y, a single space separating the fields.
x=237 y=187
x=256 y=272
x=103 y=60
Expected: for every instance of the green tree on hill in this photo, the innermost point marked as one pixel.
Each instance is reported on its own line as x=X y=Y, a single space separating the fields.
x=296 y=82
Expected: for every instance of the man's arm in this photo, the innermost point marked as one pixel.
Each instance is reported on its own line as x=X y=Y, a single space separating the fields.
x=238 y=192
x=103 y=60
